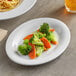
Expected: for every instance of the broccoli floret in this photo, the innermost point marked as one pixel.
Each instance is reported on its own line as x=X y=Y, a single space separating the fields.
x=31 y=39
x=26 y=41
x=51 y=36
x=39 y=34
x=24 y=49
x=39 y=50
x=44 y=28
x=29 y=47
x=35 y=40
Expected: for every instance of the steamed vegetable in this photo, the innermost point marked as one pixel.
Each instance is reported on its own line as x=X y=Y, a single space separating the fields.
x=38 y=30
x=51 y=30
x=28 y=37
x=39 y=34
x=26 y=41
x=39 y=50
x=32 y=53
x=24 y=49
x=38 y=42
x=54 y=42
x=44 y=28
x=51 y=36
x=46 y=42
x=35 y=40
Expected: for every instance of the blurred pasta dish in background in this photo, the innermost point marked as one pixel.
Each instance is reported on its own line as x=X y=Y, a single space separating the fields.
x=6 y=5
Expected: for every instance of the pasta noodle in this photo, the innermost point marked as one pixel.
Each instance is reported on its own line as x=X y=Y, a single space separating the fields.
x=6 y=5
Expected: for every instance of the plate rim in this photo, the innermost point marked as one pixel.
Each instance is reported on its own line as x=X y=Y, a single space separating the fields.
x=48 y=60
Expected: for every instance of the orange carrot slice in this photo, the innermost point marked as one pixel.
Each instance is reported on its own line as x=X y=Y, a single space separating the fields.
x=46 y=42
x=38 y=30
x=28 y=37
x=51 y=30
x=32 y=54
x=54 y=42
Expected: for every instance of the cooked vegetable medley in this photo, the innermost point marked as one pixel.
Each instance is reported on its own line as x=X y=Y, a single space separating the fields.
x=38 y=42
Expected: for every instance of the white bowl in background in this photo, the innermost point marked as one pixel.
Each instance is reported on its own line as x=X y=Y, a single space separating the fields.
x=23 y=7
